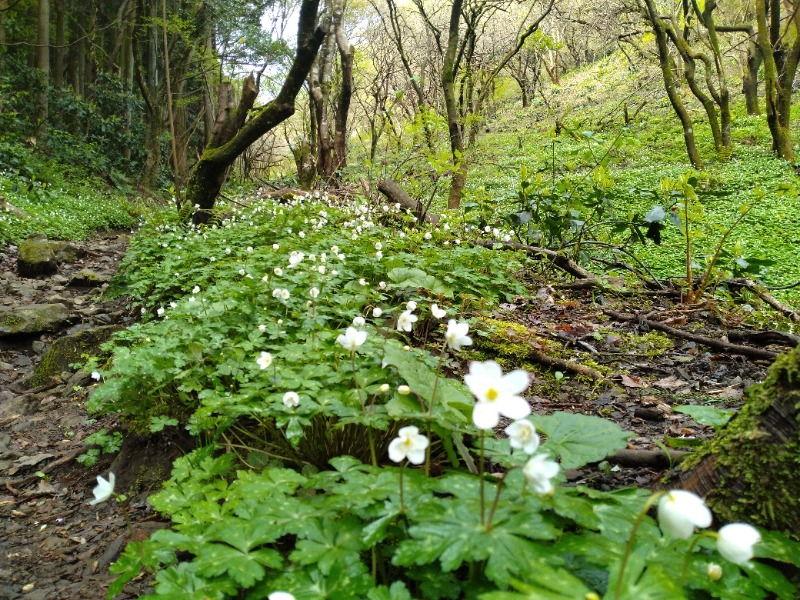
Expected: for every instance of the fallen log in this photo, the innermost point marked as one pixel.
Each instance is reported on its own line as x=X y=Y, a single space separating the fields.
x=559 y=260
x=398 y=195
x=715 y=343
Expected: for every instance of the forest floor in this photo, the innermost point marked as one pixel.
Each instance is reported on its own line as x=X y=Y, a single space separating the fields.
x=53 y=544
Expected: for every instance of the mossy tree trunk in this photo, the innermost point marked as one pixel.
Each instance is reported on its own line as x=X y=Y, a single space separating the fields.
x=235 y=134
x=779 y=44
x=665 y=61
x=749 y=472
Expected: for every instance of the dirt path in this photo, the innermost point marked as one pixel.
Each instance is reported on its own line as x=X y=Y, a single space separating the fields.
x=53 y=545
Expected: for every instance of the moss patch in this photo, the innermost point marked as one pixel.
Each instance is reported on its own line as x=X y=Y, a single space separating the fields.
x=755 y=459
x=68 y=350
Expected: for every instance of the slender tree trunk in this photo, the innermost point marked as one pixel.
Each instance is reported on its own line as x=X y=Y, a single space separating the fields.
x=209 y=173
x=669 y=84
x=780 y=51
x=60 y=49
x=459 y=178
x=750 y=78
x=43 y=66
x=346 y=54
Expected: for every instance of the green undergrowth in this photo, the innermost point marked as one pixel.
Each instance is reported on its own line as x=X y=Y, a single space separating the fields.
x=299 y=342
x=40 y=195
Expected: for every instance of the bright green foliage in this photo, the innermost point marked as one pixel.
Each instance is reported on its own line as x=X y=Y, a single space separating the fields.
x=305 y=500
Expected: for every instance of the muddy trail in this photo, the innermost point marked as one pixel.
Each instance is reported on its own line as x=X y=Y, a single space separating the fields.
x=53 y=314
x=586 y=357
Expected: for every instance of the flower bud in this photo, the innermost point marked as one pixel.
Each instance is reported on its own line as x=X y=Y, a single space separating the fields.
x=714 y=571
x=403 y=390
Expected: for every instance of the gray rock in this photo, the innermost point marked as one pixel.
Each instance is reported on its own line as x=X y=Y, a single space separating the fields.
x=88 y=278
x=33 y=318
x=40 y=256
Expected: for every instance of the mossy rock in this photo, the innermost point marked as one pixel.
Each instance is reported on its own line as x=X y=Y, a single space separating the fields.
x=749 y=471
x=88 y=278
x=40 y=256
x=69 y=350
x=33 y=318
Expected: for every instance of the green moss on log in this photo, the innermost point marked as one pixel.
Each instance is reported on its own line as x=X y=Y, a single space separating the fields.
x=751 y=470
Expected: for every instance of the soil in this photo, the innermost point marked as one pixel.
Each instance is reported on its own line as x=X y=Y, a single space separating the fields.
x=55 y=545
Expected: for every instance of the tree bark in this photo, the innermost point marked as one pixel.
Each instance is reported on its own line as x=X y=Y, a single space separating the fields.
x=659 y=30
x=459 y=178
x=43 y=66
x=749 y=471
x=780 y=51
x=210 y=171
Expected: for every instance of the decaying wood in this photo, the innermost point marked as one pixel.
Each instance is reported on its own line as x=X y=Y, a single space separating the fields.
x=715 y=343
x=748 y=472
x=764 y=338
x=647 y=458
x=761 y=292
x=566 y=365
x=8 y=207
x=559 y=260
x=396 y=194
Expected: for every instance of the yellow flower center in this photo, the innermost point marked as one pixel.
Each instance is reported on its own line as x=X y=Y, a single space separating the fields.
x=492 y=394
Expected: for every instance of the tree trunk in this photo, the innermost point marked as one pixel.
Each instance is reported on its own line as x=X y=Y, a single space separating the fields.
x=780 y=64
x=208 y=175
x=669 y=84
x=748 y=472
x=453 y=122
x=60 y=49
x=43 y=66
x=750 y=78
x=346 y=54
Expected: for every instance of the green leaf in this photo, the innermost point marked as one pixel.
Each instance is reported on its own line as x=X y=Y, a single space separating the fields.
x=706 y=415
x=580 y=439
x=405 y=277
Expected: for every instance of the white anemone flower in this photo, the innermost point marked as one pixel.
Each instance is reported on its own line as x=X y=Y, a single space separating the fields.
x=280 y=596
x=359 y=322
x=411 y=305
x=496 y=394
x=104 y=488
x=538 y=471
x=438 y=313
x=352 y=338
x=377 y=312
x=406 y=320
x=291 y=399
x=679 y=512
x=313 y=292
x=735 y=542
x=456 y=335
x=265 y=359
x=409 y=444
x=522 y=435
x=285 y=294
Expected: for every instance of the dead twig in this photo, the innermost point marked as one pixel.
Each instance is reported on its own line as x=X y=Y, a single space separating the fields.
x=715 y=343
x=46 y=469
x=559 y=260
x=761 y=292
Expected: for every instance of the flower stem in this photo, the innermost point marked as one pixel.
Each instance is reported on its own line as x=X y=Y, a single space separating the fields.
x=372 y=451
x=629 y=546
x=495 y=503
x=436 y=379
x=689 y=551
x=402 y=503
x=480 y=475
x=355 y=379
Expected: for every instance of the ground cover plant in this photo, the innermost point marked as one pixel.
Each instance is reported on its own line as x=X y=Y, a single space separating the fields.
x=317 y=349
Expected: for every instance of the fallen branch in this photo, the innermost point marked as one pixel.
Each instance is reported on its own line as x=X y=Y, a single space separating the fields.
x=647 y=458
x=566 y=365
x=46 y=469
x=398 y=195
x=761 y=292
x=559 y=260
x=715 y=343
x=764 y=338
